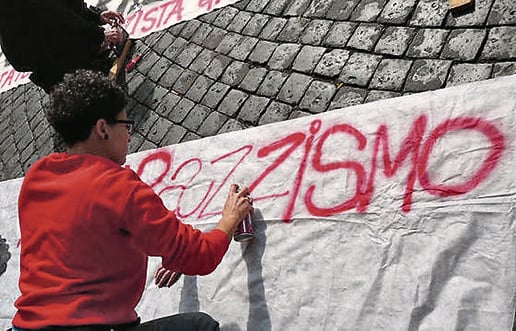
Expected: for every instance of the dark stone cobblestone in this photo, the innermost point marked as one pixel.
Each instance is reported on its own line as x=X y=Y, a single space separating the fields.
x=367 y=10
x=339 y=34
x=394 y=41
x=365 y=36
x=308 y=58
x=463 y=44
x=391 y=74
x=253 y=79
x=259 y=62
x=252 y=109
x=397 y=11
x=232 y=102
x=332 y=63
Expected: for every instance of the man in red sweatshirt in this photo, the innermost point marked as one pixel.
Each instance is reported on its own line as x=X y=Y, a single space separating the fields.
x=88 y=224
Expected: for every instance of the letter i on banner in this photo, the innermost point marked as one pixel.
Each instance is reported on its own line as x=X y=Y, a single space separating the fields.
x=208 y=3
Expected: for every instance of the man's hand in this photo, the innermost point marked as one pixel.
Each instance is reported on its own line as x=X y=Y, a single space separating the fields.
x=112 y=17
x=112 y=36
x=238 y=204
x=166 y=278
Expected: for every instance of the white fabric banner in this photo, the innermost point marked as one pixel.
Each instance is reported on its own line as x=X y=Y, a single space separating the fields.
x=142 y=18
x=393 y=215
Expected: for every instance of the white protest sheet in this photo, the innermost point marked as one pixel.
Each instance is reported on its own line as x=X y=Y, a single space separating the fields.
x=142 y=18
x=392 y=215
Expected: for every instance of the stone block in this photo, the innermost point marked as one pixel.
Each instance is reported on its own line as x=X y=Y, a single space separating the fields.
x=155 y=98
x=307 y=58
x=262 y=52
x=235 y=73
x=256 y=25
x=375 y=95
x=199 y=88
x=167 y=104
x=202 y=61
x=276 y=7
x=427 y=75
x=275 y=112
x=174 y=135
x=201 y=34
x=501 y=44
x=429 y=13
x=339 y=34
x=315 y=32
x=253 y=79
x=188 y=55
x=217 y=66
x=396 y=12
x=272 y=83
x=297 y=7
x=391 y=74
x=175 y=49
x=367 y=10
x=273 y=28
x=502 y=12
x=164 y=42
x=348 y=96
x=228 y=43
x=240 y=21
x=318 y=8
x=252 y=109
x=232 y=102
x=293 y=29
x=185 y=81
x=242 y=50
x=195 y=117
x=170 y=76
x=232 y=125
x=341 y=10
x=463 y=44
x=215 y=94
x=212 y=124
x=180 y=110
x=462 y=73
x=225 y=17
x=332 y=63
x=159 y=68
x=283 y=56
x=318 y=96
x=214 y=38
x=394 y=41
x=427 y=43
x=159 y=130
x=189 y=29
x=294 y=88
x=257 y=6
x=365 y=36
x=359 y=69
x=504 y=69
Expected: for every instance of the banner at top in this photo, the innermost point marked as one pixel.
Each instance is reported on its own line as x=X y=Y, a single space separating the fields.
x=142 y=18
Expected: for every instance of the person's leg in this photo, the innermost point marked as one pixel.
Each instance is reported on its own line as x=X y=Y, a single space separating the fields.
x=180 y=322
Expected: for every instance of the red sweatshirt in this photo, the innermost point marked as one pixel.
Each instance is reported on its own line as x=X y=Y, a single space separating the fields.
x=87 y=227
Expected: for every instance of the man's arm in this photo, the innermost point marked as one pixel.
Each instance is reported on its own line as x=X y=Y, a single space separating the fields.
x=159 y=233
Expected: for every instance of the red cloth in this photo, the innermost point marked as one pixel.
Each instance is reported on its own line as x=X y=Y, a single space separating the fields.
x=87 y=227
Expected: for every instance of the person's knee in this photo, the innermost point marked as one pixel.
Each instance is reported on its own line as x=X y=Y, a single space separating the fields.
x=203 y=321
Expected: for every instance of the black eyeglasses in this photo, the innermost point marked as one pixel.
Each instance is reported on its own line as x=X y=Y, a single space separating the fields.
x=129 y=124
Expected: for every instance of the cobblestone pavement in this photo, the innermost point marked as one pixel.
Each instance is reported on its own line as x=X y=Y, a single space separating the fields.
x=264 y=61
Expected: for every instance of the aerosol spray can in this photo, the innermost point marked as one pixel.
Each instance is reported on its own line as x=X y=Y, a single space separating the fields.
x=244 y=230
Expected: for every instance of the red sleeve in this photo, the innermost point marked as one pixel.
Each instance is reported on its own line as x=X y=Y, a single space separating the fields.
x=158 y=232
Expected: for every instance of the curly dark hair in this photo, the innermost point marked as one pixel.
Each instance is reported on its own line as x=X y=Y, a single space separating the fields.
x=80 y=100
